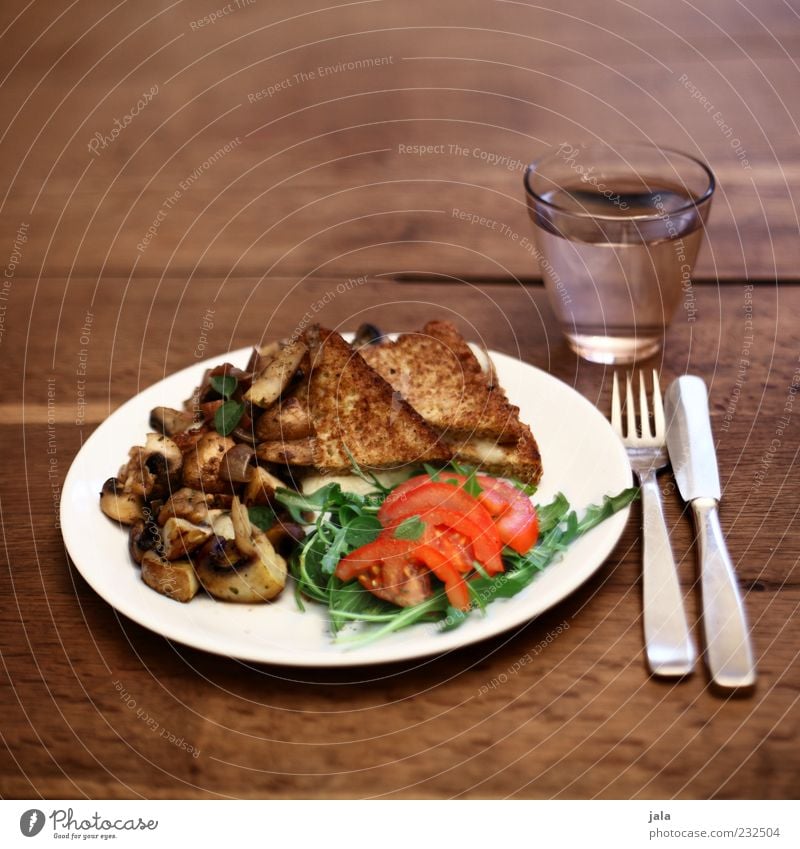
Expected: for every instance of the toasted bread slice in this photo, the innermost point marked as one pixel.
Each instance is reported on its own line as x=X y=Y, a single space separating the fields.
x=436 y=371
x=353 y=409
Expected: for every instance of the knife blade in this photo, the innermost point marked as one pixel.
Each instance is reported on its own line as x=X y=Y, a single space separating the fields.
x=690 y=443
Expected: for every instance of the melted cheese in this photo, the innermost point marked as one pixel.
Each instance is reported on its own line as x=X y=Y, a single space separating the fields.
x=352 y=483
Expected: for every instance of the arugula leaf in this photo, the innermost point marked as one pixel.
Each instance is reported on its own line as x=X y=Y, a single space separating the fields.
x=227 y=417
x=362 y=530
x=367 y=477
x=551 y=514
x=305 y=566
x=453 y=618
x=262 y=516
x=352 y=603
x=335 y=551
x=225 y=384
x=597 y=513
x=318 y=501
x=432 y=472
x=411 y=528
x=432 y=608
x=528 y=488
x=470 y=485
x=346 y=521
x=359 y=531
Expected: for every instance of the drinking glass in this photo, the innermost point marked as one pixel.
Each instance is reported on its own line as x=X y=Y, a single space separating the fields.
x=617 y=232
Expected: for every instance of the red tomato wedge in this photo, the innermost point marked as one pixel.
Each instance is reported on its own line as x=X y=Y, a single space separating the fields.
x=424 y=494
x=482 y=539
x=371 y=554
x=448 y=506
x=454 y=584
x=385 y=548
x=513 y=513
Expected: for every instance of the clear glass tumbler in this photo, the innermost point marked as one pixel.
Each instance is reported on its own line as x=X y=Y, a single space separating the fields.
x=617 y=232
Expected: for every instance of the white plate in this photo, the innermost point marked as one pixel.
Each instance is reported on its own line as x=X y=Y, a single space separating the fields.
x=582 y=457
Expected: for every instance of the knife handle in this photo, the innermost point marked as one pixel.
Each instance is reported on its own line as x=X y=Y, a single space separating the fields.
x=669 y=647
x=728 y=651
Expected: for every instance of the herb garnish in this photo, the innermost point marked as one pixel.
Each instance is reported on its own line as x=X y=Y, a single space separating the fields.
x=344 y=522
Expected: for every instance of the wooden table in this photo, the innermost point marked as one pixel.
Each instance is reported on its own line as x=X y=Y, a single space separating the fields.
x=318 y=190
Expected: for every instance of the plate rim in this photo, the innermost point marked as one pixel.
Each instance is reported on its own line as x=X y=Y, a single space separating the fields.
x=344 y=657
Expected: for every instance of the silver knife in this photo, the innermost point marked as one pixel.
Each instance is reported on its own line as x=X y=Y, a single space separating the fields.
x=729 y=655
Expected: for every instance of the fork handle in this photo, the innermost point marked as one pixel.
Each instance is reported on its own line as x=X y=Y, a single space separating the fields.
x=669 y=647
x=729 y=655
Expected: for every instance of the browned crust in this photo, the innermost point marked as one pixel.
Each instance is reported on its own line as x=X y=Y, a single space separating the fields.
x=437 y=373
x=439 y=376
x=354 y=409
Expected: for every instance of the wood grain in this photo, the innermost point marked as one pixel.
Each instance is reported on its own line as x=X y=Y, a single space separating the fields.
x=273 y=164
x=90 y=699
x=319 y=179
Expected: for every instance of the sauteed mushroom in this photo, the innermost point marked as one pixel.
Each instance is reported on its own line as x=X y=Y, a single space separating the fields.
x=173 y=578
x=202 y=464
x=123 y=507
x=144 y=536
x=288 y=420
x=180 y=537
x=236 y=466
x=152 y=466
x=168 y=421
x=247 y=569
x=261 y=487
x=274 y=378
x=193 y=505
x=297 y=453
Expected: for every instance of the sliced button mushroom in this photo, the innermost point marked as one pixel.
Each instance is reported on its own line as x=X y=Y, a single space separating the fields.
x=288 y=420
x=297 y=453
x=159 y=445
x=261 y=487
x=169 y=421
x=192 y=504
x=284 y=535
x=136 y=476
x=275 y=377
x=186 y=439
x=152 y=467
x=173 y=578
x=247 y=569
x=203 y=462
x=164 y=460
x=236 y=466
x=260 y=356
x=180 y=537
x=221 y=523
x=144 y=536
x=123 y=507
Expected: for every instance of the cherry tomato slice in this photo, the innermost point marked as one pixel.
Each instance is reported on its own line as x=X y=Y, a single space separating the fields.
x=420 y=494
x=373 y=553
x=385 y=548
x=454 y=584
x=513 y=512
x=454 y=507
x=483 y=539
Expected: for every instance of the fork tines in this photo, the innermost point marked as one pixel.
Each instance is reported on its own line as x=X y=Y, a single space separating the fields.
x=645 y=434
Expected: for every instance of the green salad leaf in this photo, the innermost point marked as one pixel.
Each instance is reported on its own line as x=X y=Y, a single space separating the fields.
x=262 y=516
x=342 y=522
x=224 y=384
x=228 y=416
x=411 y=528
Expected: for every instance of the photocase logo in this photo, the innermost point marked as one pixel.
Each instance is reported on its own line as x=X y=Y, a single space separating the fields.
x=31 y=822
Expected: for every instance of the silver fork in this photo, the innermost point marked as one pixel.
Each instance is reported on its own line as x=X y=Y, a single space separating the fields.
x=670 y=650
